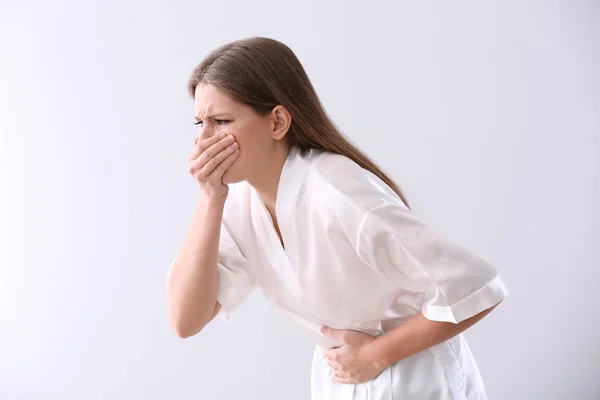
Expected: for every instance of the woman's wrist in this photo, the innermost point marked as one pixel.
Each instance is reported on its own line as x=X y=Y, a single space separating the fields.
x=377 y=353
x=213 y=202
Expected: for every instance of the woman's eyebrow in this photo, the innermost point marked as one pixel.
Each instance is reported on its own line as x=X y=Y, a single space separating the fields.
x=215 y=116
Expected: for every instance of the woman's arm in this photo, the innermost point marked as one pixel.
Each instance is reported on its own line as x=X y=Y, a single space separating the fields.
x=414 y=335
x=192 y=282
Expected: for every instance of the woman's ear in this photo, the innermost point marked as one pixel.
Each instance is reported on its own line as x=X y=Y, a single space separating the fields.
x=281 y=121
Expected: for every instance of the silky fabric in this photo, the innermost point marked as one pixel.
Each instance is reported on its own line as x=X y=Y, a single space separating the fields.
x=355 y=257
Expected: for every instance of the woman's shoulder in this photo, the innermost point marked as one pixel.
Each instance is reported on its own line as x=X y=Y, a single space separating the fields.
x=349 y=181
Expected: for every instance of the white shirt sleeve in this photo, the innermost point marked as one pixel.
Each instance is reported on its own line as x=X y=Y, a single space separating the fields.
x=235 y=278
x=395 y=242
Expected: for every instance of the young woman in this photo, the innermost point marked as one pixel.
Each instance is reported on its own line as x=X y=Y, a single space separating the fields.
x=291 y=206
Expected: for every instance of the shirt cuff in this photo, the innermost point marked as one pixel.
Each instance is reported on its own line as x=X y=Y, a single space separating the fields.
x=488 y=296
x=223 y=311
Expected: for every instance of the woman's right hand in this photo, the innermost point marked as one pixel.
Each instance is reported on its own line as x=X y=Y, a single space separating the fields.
x=209 y=160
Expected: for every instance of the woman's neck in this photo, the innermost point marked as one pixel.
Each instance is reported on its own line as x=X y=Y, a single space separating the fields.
x=266 y=179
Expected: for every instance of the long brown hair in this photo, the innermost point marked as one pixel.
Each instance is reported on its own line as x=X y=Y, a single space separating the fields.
x=263 y=73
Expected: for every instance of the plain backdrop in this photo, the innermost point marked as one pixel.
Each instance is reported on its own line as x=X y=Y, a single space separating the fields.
x=485 y=113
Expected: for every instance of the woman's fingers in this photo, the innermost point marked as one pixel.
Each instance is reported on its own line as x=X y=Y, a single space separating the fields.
x=201 y=145
x=210 y=159
x=219 y=171
x=341 y=377
x=213 y=165
x=336 y=366
x=213 y=155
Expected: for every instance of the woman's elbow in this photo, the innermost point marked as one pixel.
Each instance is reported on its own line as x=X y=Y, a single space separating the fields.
x=183 y=328
x=185 y=323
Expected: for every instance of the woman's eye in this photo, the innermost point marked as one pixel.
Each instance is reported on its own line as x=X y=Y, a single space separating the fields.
x=218 y=121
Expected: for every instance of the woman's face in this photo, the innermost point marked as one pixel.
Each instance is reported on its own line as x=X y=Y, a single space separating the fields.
x=216 y=112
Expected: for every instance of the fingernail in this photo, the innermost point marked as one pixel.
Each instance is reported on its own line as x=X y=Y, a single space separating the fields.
x=223 y=135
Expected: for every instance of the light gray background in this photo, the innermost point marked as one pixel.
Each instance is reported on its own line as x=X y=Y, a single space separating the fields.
x=486 y=114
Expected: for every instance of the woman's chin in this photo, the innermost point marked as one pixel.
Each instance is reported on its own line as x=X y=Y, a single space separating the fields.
x=230 y=177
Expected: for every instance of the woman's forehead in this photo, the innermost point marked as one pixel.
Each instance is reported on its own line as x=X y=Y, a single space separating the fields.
x=209 y=101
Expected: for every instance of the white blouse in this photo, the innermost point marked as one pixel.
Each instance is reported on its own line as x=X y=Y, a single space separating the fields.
x=355 y=257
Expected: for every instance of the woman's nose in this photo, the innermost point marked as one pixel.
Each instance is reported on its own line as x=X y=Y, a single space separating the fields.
x=205 y=133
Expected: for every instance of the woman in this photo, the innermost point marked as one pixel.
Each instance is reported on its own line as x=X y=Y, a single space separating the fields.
x=291 y=206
